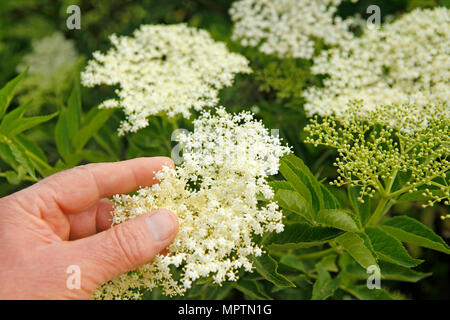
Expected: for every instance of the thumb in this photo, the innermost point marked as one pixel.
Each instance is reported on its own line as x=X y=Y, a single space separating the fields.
x=126 y=246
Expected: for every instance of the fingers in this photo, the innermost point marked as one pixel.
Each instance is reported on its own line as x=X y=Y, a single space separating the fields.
x=95 y=219
x=124 y=247
x=77 y=189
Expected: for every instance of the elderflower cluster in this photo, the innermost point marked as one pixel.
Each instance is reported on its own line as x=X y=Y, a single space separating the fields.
x=393 y=151
x=50 y=64
x=288 y=28
x=48 y=55
x=163 y=69
x=405 y=62
x=215 y=194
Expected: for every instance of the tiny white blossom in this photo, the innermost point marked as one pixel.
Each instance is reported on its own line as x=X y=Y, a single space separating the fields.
x=49 y=55
x=404 y=62
x=287 y=28
x=163 y=69
x=214 y=195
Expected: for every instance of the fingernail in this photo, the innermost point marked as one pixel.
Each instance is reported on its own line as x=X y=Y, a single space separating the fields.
x=161 y=225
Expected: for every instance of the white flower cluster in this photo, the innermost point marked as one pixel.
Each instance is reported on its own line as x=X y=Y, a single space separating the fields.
x=163 y=69
x=288 y=28
x=405 y=62
x=49 y=55
x=215 y=194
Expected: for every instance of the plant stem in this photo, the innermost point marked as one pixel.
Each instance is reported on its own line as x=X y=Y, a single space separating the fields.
x=382 y=208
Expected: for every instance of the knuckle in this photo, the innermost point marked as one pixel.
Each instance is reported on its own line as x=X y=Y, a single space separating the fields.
x=129 y=246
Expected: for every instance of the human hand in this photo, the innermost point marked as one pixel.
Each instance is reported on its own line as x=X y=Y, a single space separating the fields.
x=64 y=220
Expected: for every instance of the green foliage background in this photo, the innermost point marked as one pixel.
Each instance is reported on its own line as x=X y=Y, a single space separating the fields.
x=75 y=131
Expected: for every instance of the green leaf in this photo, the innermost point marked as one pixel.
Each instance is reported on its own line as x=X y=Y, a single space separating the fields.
x=308 y=179
x=268 y=267
x=74 y=111
x=390 y=249
x=362 y=209
x=8 y=121
x=7 y=92
x=302 y=235
x=36 y=156
x=295 y=181
x=329 y=263
x=23 y=124
x=253 y=289
x=294 y=262
x=6 y=153
x=95 y=119
x=356 y=247
x=12 y=177
x=364 y=293
x=338 y=218
x=62 y=138
x=32 y=147
x=388 y=271
x=107 y=139
x=329 y=200
x=21 y=157
x=93 y=156
x=325 y=286
x=294 y=202
x=409 y=230
x=280 y=185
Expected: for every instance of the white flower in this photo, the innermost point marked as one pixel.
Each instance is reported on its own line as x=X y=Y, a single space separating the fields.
x=49 y=55
x=405 y=62
x=214 y=195
x=163 y=69
x=50 y=63
x=288 y=28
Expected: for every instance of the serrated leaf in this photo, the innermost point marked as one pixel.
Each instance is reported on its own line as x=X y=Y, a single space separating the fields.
x=295 y=181
x=12 y=177
x=389 y=248
x=357 y=249
x=107 y=139
x=6 y=153
x=62 y=139
x=294 y=262
x=74 y=111
x=409 y=230
x=21 y=157
x=325 y=286
x=253 y=289
x=329 y=263
x=338 y=218
x=302 y=235
x=95 y=119
x=329 y=200
x=364 y=293
x=36 y=156
x=293 y=201
x=9 y=120
x=23 y=124
x=267 y=267
x=93 y=156
x=308 y=179
x=388 y=271
x=8 y=91
x=280 y=185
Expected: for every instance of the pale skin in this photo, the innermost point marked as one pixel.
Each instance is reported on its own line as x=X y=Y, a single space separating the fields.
x=65 y=220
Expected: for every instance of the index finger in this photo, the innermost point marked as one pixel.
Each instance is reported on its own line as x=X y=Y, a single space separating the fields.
x=79 y=188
